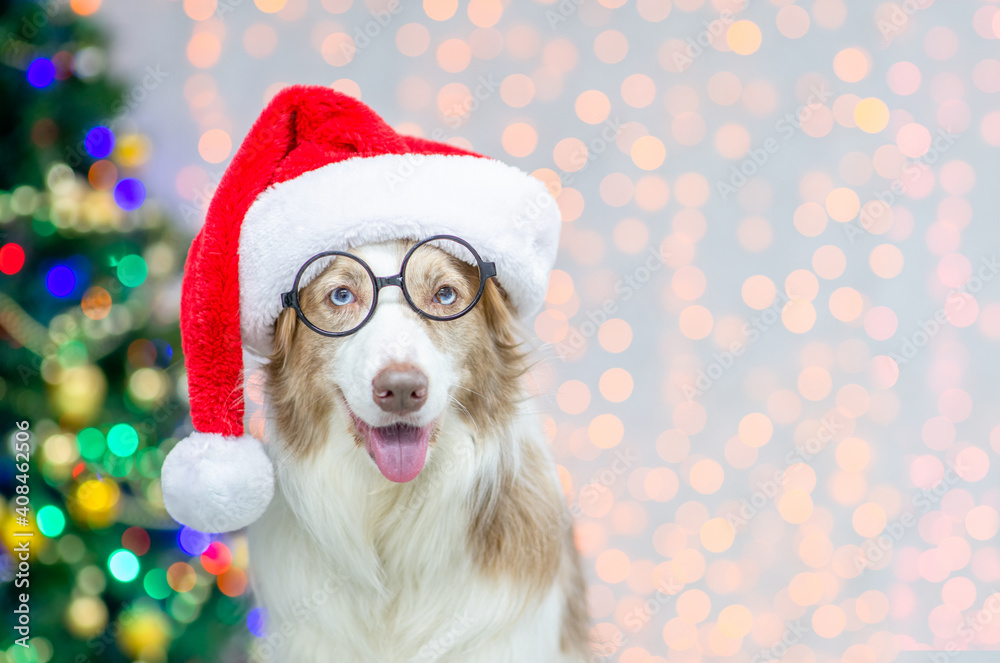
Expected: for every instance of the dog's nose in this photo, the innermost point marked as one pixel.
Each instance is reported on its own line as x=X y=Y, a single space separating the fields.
x=400 y=388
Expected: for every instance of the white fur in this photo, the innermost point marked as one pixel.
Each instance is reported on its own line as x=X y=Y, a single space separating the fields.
x=394 y=334
x=507 y=215
x=217 y=484
x=353 y=568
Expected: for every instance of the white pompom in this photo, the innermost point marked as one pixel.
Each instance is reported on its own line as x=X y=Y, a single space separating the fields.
x=213 y=483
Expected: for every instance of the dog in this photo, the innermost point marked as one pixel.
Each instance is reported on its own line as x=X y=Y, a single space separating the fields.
x=417 y=513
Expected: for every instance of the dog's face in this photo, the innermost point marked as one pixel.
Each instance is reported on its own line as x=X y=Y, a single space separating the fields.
x=394 y=382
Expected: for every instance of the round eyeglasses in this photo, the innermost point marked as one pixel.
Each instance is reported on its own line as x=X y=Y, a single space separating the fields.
x=442 y=278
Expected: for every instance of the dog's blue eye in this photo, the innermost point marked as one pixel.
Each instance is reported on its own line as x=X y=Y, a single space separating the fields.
x=341 y=297
x=445 y=296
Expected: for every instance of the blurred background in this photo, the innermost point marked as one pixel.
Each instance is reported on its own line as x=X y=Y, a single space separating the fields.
x=768 y=353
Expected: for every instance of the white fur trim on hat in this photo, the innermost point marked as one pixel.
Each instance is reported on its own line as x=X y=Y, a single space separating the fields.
x=213 y=483
x=508 y=216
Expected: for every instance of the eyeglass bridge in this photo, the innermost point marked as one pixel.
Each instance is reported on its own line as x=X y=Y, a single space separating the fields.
x=383 y=281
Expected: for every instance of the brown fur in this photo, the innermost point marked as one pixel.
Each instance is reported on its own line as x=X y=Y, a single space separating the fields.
x=574 y=638
x=513 y=521
x=300 y=406
x=491 y=371
x=520 y=531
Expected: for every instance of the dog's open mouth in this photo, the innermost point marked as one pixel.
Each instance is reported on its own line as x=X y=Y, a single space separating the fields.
x=399 y=450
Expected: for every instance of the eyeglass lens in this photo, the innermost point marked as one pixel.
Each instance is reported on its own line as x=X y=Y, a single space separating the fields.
x=442 y=278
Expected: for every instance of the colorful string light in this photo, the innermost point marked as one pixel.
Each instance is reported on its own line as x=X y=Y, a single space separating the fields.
x=41 y=72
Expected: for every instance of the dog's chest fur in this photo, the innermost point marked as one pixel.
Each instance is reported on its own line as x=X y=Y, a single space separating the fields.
x=351 y=568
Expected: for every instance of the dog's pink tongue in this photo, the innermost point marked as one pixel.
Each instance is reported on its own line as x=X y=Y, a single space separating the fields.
x=399 y=451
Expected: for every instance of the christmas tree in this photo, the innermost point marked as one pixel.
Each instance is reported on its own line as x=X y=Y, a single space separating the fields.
x=92 y=375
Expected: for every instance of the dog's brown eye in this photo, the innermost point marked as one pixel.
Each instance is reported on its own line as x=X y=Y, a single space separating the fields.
x=341 y=296
x=446 y=296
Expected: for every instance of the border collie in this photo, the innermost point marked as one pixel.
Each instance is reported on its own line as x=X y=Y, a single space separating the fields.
x=417 y=513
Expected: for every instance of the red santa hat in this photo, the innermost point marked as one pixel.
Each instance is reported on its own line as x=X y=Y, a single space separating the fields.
x=321 y=171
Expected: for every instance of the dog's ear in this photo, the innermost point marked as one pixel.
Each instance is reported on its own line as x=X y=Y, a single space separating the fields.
x=284 y=335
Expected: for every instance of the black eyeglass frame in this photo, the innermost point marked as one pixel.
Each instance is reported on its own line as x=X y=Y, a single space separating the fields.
x=290 y=299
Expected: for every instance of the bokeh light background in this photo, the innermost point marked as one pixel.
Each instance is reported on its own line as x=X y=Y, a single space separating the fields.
x=770 y=344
